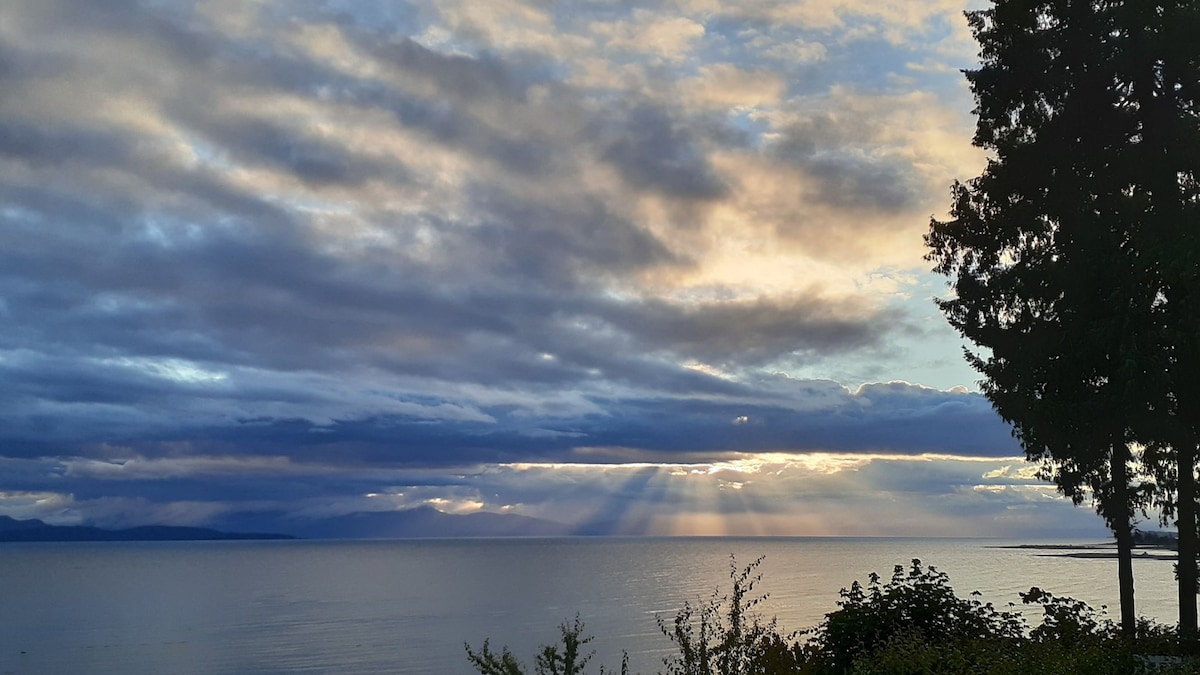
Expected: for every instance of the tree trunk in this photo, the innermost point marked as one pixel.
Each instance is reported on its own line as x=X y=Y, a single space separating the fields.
x=1187 y=548
x=1122 y=528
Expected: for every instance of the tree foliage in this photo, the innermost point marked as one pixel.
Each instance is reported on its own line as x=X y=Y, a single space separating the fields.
x=1039 y=248
x=1073 y=255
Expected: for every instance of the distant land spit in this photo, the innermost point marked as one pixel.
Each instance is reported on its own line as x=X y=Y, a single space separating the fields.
x=12 y=529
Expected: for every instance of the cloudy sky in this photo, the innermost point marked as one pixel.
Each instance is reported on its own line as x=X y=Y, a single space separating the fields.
x=656 y=264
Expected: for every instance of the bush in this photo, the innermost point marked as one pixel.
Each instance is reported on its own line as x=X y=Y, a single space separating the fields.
x=909 y=654
x=550 y=661
x=725 y=636
x=1067 y=619
x=918 y=604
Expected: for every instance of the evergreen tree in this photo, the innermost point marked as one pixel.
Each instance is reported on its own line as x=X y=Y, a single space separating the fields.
x=1045 y=248
x=1162 y=64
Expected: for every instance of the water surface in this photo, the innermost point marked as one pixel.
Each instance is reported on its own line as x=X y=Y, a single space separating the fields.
x=408 y=606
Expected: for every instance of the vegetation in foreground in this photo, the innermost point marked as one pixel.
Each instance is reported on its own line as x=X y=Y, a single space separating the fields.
x=913 y=623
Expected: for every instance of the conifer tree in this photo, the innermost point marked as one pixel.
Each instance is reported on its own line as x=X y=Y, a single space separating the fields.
x=1044 y=250
x=1161 y=63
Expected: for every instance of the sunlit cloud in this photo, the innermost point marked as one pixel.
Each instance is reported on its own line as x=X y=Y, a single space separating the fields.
x=783 y=494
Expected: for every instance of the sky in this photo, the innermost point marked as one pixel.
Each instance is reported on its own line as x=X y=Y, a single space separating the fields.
x=650 y=266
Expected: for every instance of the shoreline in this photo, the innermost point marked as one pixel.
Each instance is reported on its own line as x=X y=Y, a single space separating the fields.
x=1101 y=551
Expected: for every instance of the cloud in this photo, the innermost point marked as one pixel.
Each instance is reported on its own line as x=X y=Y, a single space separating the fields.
x=651 y=151
x=781 y=494
x=373 y=247
x=669 y=38
x=726 y=86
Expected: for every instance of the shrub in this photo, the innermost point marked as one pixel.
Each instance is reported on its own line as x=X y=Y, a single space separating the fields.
x=909 y=654
x=550 y=661
x=1067 y=619
x=725 y=636
x=919 y=604
x=488 y=662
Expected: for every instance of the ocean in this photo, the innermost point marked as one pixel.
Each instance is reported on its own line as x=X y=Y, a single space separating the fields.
x=408 y=606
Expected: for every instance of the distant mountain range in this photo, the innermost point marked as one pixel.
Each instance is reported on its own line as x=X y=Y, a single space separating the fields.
x=422 y=522
x=36 y=530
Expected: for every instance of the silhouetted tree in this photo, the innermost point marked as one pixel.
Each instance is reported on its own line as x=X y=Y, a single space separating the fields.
x=1162 y=60
x=1043 y=250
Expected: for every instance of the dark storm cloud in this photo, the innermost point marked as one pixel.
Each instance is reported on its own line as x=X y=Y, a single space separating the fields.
x=309 y=158
x=261 y=464
x=116 y=21
x=902 y=419
x=584 y=235
x=42 y=147
x=652 y=151
x=854 y=182
x=906 y=419
x=482 y=77
x=759 y=331
x=843 y=175
x=459 y=83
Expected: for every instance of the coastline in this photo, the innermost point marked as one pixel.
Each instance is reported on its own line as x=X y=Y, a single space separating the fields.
x=1105 y=550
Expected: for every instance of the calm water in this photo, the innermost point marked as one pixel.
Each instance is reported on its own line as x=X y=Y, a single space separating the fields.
x=408 y=606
